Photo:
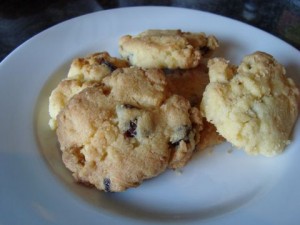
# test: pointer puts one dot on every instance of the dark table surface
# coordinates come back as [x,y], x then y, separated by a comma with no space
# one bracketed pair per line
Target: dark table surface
[22,19]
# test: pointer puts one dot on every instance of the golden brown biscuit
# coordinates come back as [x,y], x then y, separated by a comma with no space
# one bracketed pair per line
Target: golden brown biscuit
[166,48]
[95,67]
[83,72]
[126,130]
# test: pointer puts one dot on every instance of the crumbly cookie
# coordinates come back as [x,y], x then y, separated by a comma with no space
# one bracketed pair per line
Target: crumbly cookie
[191,84]
[95,67]
[253,106]
[83,72]
[128,129]
[166,48]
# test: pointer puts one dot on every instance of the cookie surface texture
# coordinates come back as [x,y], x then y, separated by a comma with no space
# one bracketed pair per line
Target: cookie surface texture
[114,138]
[166,48]
[83,73]
[95,67]
[253,106]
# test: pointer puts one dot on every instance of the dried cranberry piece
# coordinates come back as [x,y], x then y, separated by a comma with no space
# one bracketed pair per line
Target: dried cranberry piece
[128,106]
[111,66]
[106,182]
[204,50]
[174,144]
[131,132]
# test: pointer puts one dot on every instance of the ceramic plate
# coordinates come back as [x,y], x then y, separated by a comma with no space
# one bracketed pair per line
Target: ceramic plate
[221,185]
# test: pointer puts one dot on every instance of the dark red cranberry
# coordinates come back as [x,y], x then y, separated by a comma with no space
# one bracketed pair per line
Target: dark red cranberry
[131,132]
[111,66]
[106,182]
[204,50]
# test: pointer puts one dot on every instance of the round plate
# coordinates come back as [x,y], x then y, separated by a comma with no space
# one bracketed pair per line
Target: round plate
[221,185]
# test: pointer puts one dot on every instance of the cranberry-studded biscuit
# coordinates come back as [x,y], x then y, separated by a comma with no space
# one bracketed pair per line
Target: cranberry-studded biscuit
[253,106]
[166,48]
[84,72]
[128,129]
[95,67]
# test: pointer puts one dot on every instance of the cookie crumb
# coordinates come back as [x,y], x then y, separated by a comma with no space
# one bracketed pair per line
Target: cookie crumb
[178,172]
[254,106]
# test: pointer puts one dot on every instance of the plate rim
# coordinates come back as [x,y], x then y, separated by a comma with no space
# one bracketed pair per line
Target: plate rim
[15,51]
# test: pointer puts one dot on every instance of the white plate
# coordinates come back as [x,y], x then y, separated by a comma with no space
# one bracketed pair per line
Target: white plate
[217,187]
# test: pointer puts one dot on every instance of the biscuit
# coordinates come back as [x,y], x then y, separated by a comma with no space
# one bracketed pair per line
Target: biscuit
[83,72]
[166,48]
[126,130]
[95,67]
[253,106]
[191,84]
